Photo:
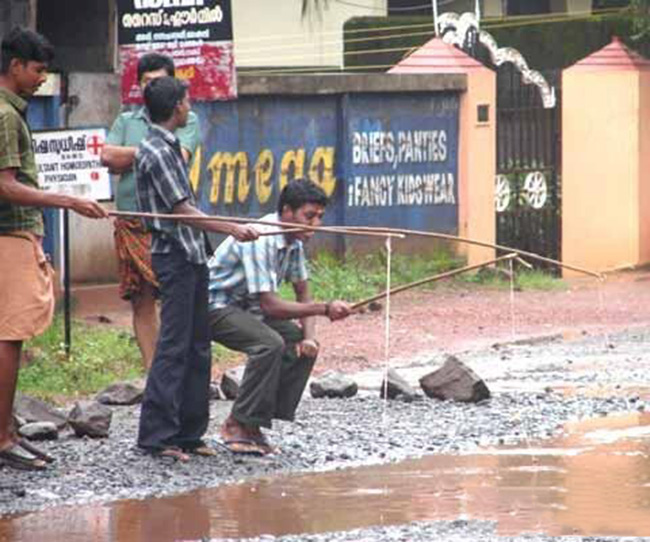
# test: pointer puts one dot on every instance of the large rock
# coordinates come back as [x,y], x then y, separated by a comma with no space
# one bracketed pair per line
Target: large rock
[455,381]
[231,380]
[89,418]
[121,393]
[39,431]
[32,410]
[393,386]
[333,384]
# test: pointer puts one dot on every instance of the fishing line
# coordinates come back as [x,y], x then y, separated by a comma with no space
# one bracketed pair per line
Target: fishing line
[389,258]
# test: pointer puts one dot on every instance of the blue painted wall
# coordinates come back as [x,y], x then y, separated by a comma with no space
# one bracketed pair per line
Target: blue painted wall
[385,159]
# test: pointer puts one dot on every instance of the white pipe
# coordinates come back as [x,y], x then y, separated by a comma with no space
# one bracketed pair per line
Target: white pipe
[434,5]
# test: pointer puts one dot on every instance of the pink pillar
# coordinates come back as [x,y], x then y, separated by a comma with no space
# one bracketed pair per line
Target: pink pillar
[477,140]
[606,159]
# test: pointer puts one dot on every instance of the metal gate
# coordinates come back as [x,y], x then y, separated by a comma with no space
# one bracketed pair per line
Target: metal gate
[528,183]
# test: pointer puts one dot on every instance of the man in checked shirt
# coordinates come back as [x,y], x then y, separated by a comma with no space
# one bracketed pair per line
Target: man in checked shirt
[175,408]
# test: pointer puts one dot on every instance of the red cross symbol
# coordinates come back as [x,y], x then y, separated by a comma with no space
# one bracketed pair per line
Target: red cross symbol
[95,145]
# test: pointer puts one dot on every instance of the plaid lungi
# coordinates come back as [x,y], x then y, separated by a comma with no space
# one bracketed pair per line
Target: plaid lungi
[133,246]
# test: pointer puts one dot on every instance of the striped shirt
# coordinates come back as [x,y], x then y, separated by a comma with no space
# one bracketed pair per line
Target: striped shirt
[16,152]
[162,182]
[240,272]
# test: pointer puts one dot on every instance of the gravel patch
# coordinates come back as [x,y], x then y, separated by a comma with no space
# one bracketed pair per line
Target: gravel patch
[329,434]
[333,434]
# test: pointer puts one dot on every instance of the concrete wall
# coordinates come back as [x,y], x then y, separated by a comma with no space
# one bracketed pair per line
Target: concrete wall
[95,101]
[279,36]
[601,175]
[477,165]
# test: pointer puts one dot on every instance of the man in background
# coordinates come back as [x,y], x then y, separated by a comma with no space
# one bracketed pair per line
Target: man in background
[132,242]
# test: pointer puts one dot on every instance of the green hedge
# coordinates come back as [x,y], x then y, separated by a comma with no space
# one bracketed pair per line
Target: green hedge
[546,46]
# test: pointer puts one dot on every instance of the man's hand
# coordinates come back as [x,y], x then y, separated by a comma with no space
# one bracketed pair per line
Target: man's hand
[245,233]
[337,310]
[308,348]
[88,208]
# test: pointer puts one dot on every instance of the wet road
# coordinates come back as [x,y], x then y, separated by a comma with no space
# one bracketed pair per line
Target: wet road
[595,480]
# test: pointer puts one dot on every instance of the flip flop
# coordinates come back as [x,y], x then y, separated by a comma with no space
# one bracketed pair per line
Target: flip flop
[244,446]
[18,458]
[203,451]
[261,441]
[40,454]
[174,453]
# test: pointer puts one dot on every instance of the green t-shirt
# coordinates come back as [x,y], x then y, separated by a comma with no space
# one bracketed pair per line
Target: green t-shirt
[16,152]
[128,130]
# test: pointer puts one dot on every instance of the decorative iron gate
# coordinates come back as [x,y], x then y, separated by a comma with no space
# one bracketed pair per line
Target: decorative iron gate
[527,191]
[528,139]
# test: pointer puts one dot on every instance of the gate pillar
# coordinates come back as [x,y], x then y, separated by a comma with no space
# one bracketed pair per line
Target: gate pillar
[477,140]
[606,160]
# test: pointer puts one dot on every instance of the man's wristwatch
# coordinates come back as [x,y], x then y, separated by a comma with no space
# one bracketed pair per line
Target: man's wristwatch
[327,309]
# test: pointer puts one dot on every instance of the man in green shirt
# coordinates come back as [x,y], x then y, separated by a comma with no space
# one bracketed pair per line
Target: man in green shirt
[132,242]
[27,298]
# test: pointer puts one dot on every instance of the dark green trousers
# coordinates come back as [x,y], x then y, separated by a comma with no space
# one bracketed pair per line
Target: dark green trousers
[275,377]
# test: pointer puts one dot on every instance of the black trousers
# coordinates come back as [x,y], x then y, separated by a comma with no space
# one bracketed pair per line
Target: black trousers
[175,407]
[275,376]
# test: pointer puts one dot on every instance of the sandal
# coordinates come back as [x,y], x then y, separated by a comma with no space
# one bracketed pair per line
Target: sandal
[40,454]
[18,458]
[203,451]
[174,453]
[245,446]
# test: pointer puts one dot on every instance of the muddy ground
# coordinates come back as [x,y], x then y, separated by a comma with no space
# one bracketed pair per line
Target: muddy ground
[550,358]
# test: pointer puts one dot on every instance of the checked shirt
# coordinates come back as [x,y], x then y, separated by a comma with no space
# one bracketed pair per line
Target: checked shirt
[162,182]
[240,272]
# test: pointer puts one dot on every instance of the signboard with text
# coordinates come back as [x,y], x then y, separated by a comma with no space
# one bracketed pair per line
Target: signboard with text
[196,34]
[68,162]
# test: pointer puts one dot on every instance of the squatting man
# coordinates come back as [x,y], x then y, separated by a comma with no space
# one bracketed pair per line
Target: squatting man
[247,314]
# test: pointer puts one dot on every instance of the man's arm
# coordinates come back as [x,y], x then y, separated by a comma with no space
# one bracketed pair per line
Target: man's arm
[274,306]
[118,159]
[20,194]
[303,295]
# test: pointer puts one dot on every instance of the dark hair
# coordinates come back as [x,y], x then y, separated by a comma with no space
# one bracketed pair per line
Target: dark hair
[25,45]
[152,62]
[300,192]
[162,95]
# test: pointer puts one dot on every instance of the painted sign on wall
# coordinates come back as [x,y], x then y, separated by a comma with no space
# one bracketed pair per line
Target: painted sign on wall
[197,34]
[387,160]
[254,146]
[401,161]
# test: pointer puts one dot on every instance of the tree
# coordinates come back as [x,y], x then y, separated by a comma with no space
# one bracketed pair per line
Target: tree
[640,18]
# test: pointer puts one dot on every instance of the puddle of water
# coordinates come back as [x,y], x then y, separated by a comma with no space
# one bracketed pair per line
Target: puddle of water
[595,481]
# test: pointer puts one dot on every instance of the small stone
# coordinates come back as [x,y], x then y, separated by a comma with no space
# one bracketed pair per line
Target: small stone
[231,380]
[89,418]
[39,431]
[121,393]
[455,381]
[333,384]
[35,410]
[394,386]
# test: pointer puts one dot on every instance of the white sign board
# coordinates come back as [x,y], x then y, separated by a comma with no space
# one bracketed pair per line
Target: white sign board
[68,162]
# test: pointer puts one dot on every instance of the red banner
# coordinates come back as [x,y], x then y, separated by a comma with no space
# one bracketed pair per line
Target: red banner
[198,38]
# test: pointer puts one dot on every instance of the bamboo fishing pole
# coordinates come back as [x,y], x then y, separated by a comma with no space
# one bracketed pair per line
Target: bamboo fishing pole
[239,220]
[468,241]
[433,278]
